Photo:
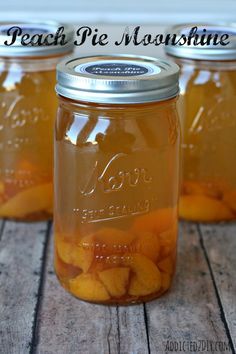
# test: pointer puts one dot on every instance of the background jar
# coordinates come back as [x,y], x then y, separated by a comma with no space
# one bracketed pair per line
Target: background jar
[27,113]
[116,177]
[207,108]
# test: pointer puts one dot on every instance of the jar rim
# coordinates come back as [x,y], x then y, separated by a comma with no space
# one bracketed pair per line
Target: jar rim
[41,28]
[211,51]
[117,79]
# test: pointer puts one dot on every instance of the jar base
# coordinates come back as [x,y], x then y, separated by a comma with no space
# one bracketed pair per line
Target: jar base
[132,300]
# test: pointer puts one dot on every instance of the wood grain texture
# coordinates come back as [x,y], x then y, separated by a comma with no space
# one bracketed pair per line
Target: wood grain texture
[190,311]
[67,325]
[219,242]
[132,330]
[21,250]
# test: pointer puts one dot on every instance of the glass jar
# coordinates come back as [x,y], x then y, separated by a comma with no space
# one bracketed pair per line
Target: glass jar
[207,107]
[27,112]
[116,178]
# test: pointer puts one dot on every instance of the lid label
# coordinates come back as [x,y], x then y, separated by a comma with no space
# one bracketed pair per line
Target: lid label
[117,68]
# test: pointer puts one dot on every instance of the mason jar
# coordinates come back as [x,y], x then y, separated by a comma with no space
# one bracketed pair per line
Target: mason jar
[116,177]
[207,107]
[27,114]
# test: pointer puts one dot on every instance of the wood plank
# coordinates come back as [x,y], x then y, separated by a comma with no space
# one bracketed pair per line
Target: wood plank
[21,250]
[132,330]
[67,325]
[190,311]
[219,242]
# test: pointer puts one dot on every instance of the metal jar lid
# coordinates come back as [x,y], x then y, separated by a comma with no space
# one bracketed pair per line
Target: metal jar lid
[206,52]
[117,79]
[34,28]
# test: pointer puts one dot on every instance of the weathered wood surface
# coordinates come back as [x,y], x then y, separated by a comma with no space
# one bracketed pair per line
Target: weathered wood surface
[219,245]
[21,251]
[38,316]
[190,312]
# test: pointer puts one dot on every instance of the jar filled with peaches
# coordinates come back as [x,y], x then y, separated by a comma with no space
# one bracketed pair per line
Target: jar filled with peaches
[207,108]
[28,106]
[116,177]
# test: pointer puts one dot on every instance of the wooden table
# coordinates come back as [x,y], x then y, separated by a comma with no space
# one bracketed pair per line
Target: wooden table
[38,316]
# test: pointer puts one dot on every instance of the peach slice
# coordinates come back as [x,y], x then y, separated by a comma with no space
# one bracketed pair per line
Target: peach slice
[27,165]
[88,287]
[65,270]
[166,265]
[27,169]
[148,244]
[192,187]
[230,199]
[168,240]
[212,189]
[156,221]
[103,262]
[146,278]
[79,255]
[64,249]
[28,201]
[2,187]
[115,280]
[202,208]
[165,281]
[112,240]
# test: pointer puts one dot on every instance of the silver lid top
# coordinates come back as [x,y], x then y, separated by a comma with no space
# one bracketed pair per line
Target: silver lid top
[203,52]
[117,79]
[33,28]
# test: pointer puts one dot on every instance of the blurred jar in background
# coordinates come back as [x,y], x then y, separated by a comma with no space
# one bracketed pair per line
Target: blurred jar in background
[207,107]
[116,177]
[27,113]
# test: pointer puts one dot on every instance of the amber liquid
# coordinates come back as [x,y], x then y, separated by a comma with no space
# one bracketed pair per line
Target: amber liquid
[116,191]
[27,112]
[208,116]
